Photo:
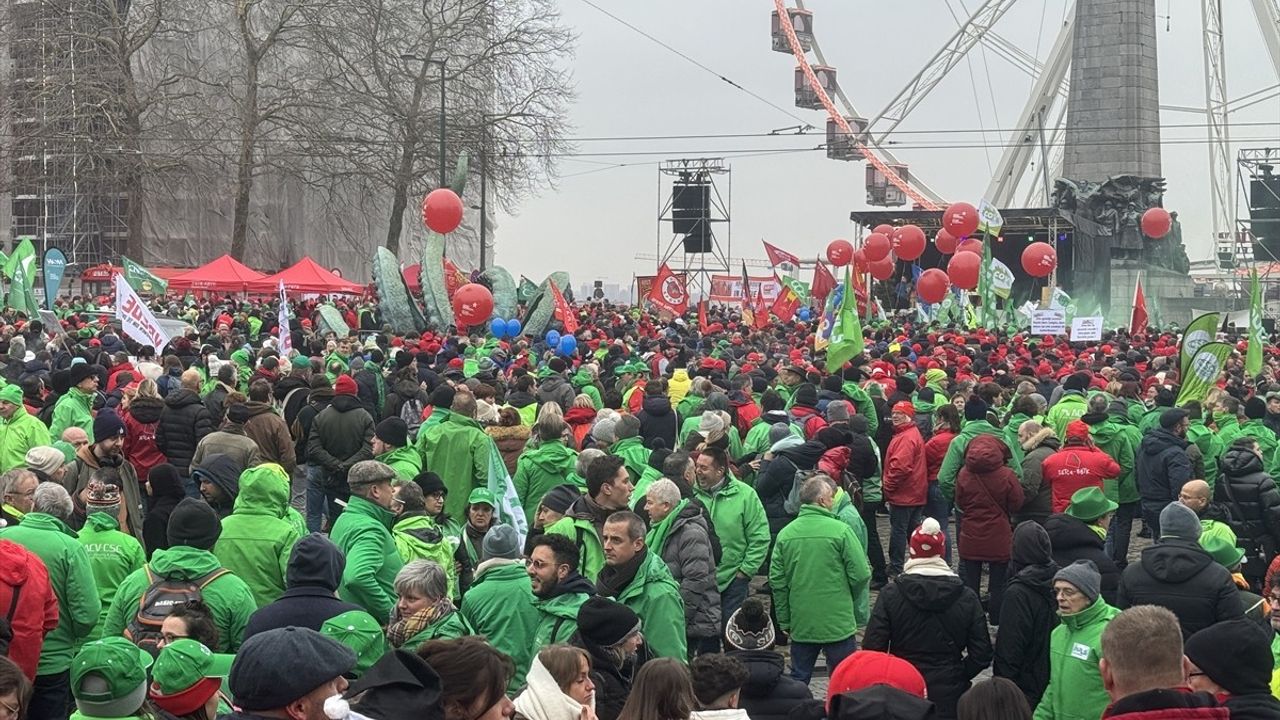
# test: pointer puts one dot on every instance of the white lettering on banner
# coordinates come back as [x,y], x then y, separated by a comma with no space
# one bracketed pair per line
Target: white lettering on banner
[1048,322]
[136,319]
[1086,329]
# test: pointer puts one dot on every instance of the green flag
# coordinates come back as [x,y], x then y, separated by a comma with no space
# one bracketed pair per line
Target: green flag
[846,332]
[1257,336]
[1202,330]
[141,279]
[24,257]
[21,298]
[987,288]
[1204,370]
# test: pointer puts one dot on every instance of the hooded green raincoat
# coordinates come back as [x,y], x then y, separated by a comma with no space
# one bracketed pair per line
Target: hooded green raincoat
[539,469]
[257,537]
[363,533]
[113,555]
[1075,689]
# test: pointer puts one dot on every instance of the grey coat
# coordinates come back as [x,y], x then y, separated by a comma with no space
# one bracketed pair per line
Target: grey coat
[1037,497]
[687,553]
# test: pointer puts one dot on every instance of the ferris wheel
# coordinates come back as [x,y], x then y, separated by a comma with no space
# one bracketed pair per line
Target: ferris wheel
[1036,136]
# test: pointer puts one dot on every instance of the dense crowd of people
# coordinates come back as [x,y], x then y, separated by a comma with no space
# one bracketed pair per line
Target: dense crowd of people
[676,520]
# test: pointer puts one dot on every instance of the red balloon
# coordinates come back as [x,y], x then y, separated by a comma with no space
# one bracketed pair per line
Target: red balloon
[472,304]
[442,211]
[882,269]
[945,242]
[877,247]
[1039,259]
[908,243]
[933,285]
[970,245]
[860,262]
[960,219]
[884,229]
[963,270]
[840,252]
[1156,222]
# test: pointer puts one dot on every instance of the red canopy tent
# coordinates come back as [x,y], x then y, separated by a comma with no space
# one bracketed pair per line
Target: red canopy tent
[306,276]
[226,274]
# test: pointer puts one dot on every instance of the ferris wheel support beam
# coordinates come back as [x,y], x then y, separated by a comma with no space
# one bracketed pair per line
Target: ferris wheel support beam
[1268,12]
[1221,180]
[1028,138]
[937,67]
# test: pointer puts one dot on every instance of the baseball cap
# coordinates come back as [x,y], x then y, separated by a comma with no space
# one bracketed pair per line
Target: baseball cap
[109,677]
[482,495]
[186,674]
[359,631]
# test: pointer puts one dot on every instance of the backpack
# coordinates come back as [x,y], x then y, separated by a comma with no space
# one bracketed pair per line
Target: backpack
[161,597]
[411,413]
[6,622]
[791,505]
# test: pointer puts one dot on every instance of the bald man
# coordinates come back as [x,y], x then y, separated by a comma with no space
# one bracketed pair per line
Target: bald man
[1214,517]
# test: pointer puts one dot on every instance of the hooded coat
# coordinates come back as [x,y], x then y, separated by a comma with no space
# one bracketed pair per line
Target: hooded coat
[399,686]
[19,434]
[230,441]
[113,555]
[954,459]
[769,693]
[654,596]
[363,533]
[1028,615]
[1074,467]
[555,388]
[1073,539]
[1075,690]
[227,596]
[499,606]
[458,451]
[1253,499]
[311,579]
[1181,576]
[657,421]
[558,614]
[687,551]
[166,493]
[418,537]
[988,494]
[905,481]
[1036,494]
[1161,467]
[1119,439]
[223,471]
[937,624]
[36,613]
[140,423]
[539,469]
[339,438]
[184,422]
[79,472]
[777,475]
[257,538]
[580,524]
[74,409]
[741,526]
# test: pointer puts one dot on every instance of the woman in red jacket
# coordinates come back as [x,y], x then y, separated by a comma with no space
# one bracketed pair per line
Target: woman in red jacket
[27,598]
[141,415]
[987,493]
[946,425]
[1078,465]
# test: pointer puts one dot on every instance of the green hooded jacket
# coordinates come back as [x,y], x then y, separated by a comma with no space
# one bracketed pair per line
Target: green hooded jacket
[257,537]
[75,409]
[558,616]
[405,461]
[1211,448]
[1266,438]
[689,407]
[954,459]
[584,383]
[458,451]
[1228,428]
[22,432]
[418,537]
[71,575]
[228,596]
[363,533]
[113,556]
[654,595]
[449,627]
[1069,407]
[1011,425]
[539,469]
[1119,439]
[499,606]
[1151,419]
[583,534]
[741,525]
[634,455]
[863,403]
[819,574]
[1075,689]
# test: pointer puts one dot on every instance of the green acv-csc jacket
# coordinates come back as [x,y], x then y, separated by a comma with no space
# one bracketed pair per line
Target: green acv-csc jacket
[539,469]
[741,526]
[75,409]
[227,596]
[819,574]
[583,534]
[363,533]
[113,555]
[257,537]
[954,459]
[71,576]
[1075,689]
[654,595]
[1071,406]
[1116,437]
[405,461]
[499,606]
[558,617]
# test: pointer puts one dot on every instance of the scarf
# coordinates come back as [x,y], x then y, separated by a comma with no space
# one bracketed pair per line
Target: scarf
[932,566]
[613,579]
[657,537]
[475,541]
[543,699]
[402,630]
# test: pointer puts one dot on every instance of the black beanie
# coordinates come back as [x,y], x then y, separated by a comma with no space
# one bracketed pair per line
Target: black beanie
[605,622]
[1077,381]
[442,397]
[905,385]
[392,431]
[1255,408]
[806,395]
[430,483]
[195,524]
[975,409]
[403,359]
[1235,654]
[559,498]
[832,383]
[1165,397]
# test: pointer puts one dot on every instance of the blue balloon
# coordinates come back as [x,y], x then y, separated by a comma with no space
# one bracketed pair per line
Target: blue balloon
[498,327]
[553,338]
[804,314]
[513,328]
[568,344]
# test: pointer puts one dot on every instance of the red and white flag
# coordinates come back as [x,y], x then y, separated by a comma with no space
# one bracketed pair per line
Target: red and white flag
[563,312]
[778,256]
[1138,321]
[669,292]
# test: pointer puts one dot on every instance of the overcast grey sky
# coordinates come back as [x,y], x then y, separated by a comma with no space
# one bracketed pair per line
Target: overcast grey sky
[604,207]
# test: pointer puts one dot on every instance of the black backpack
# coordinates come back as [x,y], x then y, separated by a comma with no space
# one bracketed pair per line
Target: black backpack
[161,597]
[6,622]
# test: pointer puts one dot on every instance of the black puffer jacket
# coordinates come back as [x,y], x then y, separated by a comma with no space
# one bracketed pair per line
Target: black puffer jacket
[1254,499]
[769,693]
[937,624]
[311,584]
[183,424]
[1161,467]
[1073,540]
[613,684]
[657,421]
[776,476]
[1028,615]
[340,437]
[1181,576]
[401,390]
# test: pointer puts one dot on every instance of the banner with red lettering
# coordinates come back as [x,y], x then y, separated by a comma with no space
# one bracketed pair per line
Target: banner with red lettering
[136,319]
[728,288]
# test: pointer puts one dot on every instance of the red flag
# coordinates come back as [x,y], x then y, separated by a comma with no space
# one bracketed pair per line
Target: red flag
[702,316]
[454,278]
[786,304]
[563,312]
[823,282]
[669,292]
[778,256]
[748,314]
[762,311]
[1138,322]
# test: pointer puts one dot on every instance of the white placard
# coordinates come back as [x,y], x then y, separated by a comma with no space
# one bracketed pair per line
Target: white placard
[1048,322]
[1086,329]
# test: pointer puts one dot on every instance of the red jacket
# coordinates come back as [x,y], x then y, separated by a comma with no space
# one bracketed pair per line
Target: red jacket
[140,447]
[37,611]
[987,492]
[809,420]
[935,450]
[579,420]
[906,475]
[1179,703]
[745,414]
[1075,467]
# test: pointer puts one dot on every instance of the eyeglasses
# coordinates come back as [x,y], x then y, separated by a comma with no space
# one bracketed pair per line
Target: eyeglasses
[1196,674]
[10,710]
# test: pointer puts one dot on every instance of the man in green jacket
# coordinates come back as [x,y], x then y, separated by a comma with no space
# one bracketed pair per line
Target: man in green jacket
[740,524]
[1226,416]
[75,408]
[608,489]
[458,451]
[542,467]
[21,430]
[1204,438]
[1075,689]
[114,555]
[499,603]
[363,534]
[640,580]
[1071,405]
[192,531]
[257,538]
[390,445]
[558,589]
[630,447]
[975,416]
[416,533]
[44,532]
[1255,410]
[820,579]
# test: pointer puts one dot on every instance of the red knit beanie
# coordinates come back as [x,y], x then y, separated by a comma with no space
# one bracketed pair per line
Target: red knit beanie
[927,541]
[344,386]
